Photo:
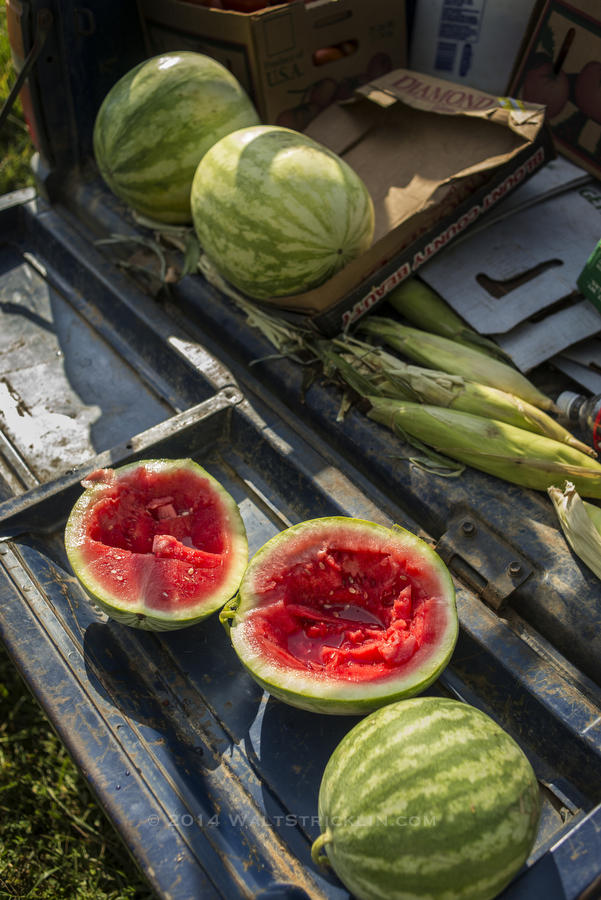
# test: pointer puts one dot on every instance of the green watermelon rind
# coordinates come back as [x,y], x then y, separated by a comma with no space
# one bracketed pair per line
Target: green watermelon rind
[330,696]
[157,122]
[278,213]
[458,789]
[138,615]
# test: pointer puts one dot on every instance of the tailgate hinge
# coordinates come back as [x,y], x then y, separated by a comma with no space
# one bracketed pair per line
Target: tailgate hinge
[477,555]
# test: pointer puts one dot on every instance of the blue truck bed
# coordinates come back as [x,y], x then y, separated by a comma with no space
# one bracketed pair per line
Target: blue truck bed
[212,784]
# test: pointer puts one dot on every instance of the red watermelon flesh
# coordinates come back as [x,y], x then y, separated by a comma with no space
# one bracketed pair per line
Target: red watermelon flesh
[161,537]
[358,614]
[341,615]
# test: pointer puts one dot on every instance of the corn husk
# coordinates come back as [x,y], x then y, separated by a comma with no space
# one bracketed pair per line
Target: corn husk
[594,514]
[513,454]
[420,305]
[577,520]
[391,377]
[482,400]
[288,340]
[364,374]
[441,353]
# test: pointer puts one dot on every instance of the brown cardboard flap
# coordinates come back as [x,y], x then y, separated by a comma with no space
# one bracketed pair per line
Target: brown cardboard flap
[416,153]
[422,146]
[449,99]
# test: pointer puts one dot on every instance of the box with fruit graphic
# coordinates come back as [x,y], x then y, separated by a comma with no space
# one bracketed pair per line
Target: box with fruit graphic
[295,58]
[561,68]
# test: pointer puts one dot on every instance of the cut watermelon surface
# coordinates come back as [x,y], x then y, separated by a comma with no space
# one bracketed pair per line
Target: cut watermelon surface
[157,544]
[343,615]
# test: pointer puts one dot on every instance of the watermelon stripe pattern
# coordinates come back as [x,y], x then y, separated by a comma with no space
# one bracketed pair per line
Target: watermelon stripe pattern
[277,213]
[428,798]
[156,124]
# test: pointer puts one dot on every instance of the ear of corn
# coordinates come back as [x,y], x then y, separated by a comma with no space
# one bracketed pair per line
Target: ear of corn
[420,305]
[370,370]
[511,453]
[395,379]
[577,524]
[441,353]
[482,400]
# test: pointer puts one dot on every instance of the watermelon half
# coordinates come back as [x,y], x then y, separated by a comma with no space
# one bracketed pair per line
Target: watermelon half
[341,615]
[157,544]
[427,799]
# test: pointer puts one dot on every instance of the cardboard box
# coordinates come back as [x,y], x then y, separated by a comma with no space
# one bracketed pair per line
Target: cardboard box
[435,156]
[472,42]
[561,68]
[274,52]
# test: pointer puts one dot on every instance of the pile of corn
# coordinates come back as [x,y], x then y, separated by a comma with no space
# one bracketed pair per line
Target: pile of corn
[465,401]
[461,397]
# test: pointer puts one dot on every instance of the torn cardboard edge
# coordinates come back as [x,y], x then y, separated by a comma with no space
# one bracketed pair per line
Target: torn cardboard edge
[373,290]
[469,150]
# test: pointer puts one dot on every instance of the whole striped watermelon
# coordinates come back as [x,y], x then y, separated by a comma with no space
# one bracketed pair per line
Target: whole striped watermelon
[158,121]
[157,544]
[341,615]
[427,799]
[277,213]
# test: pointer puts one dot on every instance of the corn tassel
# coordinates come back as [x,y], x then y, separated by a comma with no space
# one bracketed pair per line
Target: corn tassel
[441,353]
[354,372]
[577,520]
[420,305]
[513,454]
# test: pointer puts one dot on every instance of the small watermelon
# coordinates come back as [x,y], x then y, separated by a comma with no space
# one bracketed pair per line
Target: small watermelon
[157,122]
[157,544]
[340,615]
[277,213]
[427,799]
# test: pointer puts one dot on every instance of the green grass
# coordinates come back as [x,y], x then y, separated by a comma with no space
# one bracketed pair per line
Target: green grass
[55,842]
[16,148]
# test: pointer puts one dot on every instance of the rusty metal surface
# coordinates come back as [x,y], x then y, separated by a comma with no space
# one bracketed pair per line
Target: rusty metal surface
[196,766]
[481,558]
[64,394]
